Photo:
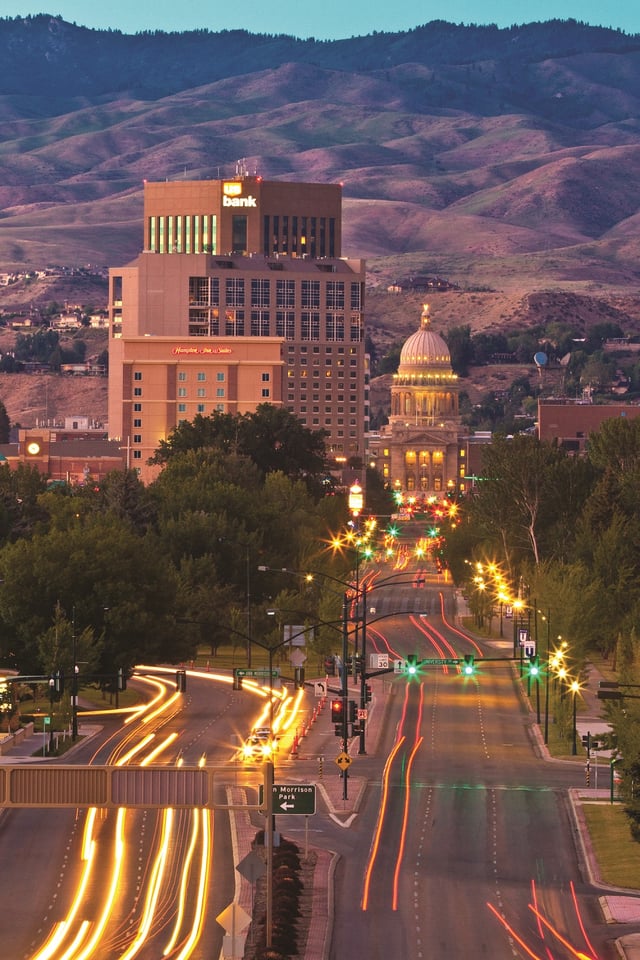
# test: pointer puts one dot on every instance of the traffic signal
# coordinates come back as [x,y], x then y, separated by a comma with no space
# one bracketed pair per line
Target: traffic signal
[412,664]
[237,682]
[534,666]
[367,693]
[337,715]
[181,681]
[469,665]
[353,707]
[298,677]
[58,683]
[122,679]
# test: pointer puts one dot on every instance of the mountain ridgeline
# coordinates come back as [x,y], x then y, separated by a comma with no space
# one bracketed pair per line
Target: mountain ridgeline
[470,151]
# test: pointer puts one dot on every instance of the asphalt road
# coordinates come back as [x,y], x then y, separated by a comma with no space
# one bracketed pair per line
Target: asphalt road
[466,829]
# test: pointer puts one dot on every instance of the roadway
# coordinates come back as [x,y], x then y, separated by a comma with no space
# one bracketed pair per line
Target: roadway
[462,847]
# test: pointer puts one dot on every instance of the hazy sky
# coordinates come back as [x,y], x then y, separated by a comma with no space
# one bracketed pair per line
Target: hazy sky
[325,20]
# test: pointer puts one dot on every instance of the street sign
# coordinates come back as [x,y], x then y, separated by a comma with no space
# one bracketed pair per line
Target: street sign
[343,760]
[523,636]
[382,661]
[530,648]
[320,688]
[399,666]
[262,672]
[295,798]
[362,713]
[446,662]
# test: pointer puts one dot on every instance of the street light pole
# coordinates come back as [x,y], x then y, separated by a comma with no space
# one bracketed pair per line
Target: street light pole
[74,681]
[345,738]
[363,673]
[547,679]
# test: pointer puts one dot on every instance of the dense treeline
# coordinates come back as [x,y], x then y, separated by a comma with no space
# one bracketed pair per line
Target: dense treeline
[148,574]
[565,533]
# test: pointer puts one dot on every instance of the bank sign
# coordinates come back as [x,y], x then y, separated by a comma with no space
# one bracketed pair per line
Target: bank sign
[232,196]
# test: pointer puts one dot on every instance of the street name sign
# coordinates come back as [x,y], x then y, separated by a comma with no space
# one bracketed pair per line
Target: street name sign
[293,798]
[262,672]
[435,662]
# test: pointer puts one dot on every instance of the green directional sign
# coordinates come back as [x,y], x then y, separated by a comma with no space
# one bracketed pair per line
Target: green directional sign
[295,798]
[263,672]
[447,662]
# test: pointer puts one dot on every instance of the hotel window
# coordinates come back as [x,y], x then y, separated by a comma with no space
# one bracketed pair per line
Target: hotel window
[182,408]
[201,376]
[285,293]
[202,392]
[220,392]
[137,391]
[182,376]
[137,454]
[335,327]
[219,407]
[137,375]
[335,295]
[259,323]
[182,391]
[356,328]
[200,408]
[266,392]
[310,294]
[234,323]
[137,407]
[234,291]
[285,234]
[310,325]
[285,324]
[137,438]
[220,376]
[356,296]
[260,293]
[266,377]
[137,422]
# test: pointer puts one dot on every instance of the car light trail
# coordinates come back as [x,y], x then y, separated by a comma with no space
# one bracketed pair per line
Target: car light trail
[405,821]
[378,831]
[580,921]
[431,633]
[195,824]
[151,899]
[455,629]
[205,870]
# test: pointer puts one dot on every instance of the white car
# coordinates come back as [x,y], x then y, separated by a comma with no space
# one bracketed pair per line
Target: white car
[256,748]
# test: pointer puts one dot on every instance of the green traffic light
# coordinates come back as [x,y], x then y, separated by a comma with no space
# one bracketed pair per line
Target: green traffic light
[469,666]
[412,664]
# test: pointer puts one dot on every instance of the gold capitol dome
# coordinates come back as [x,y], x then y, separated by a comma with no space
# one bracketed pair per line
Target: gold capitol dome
[425,355]
[419,449]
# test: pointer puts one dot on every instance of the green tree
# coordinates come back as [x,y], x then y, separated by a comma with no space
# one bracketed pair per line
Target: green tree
[97,565]
[5,424]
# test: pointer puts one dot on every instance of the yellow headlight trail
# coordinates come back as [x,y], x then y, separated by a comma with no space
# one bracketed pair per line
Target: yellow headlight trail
[203,886]
[155,886]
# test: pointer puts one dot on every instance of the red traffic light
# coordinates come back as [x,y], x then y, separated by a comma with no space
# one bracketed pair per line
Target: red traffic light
[337,710]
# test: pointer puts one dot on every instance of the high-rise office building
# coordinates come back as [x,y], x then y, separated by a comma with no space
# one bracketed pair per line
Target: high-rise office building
[240,297]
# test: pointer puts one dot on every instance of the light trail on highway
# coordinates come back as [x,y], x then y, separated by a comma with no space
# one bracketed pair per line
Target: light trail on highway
[136,888]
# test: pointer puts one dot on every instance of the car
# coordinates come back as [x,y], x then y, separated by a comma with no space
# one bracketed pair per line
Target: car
[256,748]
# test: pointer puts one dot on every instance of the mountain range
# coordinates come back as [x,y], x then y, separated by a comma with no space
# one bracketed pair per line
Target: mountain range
[499,158]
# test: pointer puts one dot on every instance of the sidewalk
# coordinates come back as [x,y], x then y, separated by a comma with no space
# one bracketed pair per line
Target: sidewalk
[618,905]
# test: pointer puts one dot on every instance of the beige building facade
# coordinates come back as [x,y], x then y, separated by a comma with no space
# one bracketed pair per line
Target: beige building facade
[240,297]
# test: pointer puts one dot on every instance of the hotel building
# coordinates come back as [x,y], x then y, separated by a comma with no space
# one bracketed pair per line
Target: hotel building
[240,297]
